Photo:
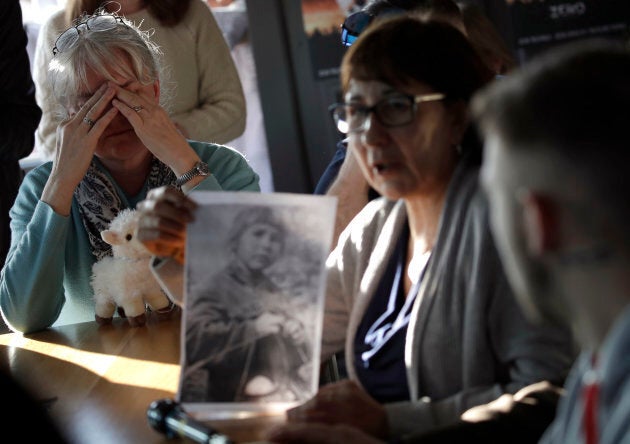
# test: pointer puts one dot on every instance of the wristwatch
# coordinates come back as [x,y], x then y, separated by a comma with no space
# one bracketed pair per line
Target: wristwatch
[200,169]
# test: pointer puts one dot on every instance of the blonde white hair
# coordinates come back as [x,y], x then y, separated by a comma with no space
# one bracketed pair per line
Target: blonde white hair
[108,47]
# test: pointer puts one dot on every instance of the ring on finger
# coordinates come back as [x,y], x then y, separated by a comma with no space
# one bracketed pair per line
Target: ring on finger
[89,121]
[137,108]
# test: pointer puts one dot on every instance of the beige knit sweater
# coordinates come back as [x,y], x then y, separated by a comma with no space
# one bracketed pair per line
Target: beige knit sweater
[202,87]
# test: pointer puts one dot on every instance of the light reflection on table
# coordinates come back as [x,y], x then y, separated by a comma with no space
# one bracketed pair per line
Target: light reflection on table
[105,377]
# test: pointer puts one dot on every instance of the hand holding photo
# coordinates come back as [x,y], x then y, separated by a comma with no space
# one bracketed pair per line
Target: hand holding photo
[253,307]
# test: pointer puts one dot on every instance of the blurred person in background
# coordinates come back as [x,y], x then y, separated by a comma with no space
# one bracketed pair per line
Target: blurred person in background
[556,175]
[20,118]
[231,15]
[206,103]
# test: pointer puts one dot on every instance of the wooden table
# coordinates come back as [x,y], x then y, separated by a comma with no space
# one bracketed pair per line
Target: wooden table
[104,377]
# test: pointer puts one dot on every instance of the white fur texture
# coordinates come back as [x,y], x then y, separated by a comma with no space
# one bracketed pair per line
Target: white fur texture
[125,279]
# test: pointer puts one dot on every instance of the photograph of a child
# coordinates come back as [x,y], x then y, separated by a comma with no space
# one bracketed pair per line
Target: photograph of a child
[254,301]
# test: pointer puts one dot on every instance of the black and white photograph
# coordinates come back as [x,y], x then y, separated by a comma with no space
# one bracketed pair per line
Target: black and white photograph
[254,288]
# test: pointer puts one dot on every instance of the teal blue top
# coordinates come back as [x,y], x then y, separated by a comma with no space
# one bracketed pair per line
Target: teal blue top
[46,277]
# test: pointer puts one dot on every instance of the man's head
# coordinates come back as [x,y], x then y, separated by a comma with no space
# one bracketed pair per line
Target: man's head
[556,171]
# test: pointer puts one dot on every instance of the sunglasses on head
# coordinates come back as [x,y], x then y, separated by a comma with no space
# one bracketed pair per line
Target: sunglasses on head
[356,23]
[97,22]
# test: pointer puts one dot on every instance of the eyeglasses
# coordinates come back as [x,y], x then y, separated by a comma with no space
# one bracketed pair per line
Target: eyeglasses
[69,37]
[356,23]
[390,112]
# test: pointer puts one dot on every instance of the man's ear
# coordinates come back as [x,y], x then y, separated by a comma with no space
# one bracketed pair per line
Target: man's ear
[156,90]
[540,221]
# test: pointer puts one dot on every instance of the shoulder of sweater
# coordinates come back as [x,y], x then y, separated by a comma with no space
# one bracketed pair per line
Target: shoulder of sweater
[197,14]
[197,6]
[376,211]
[381,207]
[207,149]
[50,30]
[370,221]
[463,194]
[465,176]
[200,146]
[33,185]
[57,17]
[38,176]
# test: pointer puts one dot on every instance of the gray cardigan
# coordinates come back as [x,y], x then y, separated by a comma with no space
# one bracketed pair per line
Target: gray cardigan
[467,341]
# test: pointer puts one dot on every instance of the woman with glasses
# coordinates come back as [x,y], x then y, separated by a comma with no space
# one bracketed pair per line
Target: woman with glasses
[115,143]
[342,177]
[416,294]
[207,101]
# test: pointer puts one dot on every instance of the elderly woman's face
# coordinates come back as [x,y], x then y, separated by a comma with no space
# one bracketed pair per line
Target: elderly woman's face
[119,141]
[410,160]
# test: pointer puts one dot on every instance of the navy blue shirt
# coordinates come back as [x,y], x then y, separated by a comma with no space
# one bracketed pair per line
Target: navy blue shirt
[379,345]
[332,171]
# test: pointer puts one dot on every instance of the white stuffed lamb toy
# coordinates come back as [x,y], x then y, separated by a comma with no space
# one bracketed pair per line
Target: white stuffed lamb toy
[125,280]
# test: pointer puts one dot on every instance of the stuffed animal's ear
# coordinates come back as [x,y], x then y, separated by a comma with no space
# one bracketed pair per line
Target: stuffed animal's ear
[111,237]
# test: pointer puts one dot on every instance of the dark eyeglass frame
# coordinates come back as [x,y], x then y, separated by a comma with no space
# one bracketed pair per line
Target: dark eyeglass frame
[343,125]
[75,30]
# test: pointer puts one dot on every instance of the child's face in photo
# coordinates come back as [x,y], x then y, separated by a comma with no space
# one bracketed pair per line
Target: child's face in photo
[259,246]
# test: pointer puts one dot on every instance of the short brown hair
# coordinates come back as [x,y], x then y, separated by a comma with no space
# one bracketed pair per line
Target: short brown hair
[571,103]
[405,49]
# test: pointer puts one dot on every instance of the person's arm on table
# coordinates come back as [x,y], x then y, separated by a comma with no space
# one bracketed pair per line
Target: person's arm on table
[31,286]
[31,289]
[520,418]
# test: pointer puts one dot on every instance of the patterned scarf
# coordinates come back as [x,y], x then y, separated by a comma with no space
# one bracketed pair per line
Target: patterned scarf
[99,202]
